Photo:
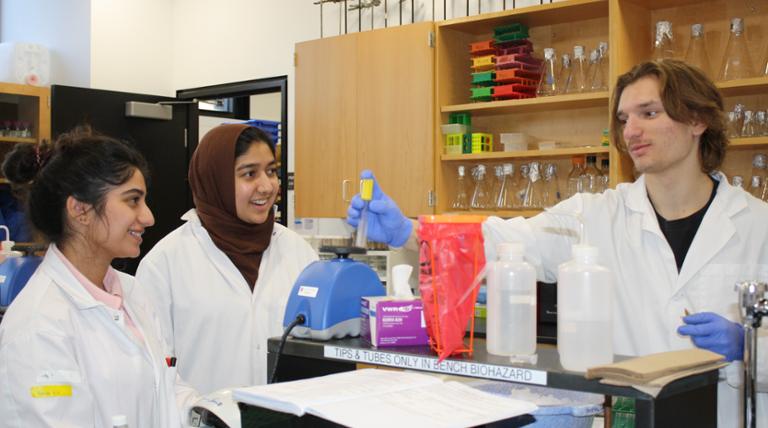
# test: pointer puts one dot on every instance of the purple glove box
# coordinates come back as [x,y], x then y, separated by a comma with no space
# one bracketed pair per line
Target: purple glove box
[387,321]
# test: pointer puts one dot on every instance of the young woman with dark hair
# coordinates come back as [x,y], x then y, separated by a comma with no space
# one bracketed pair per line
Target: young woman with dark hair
[81,344]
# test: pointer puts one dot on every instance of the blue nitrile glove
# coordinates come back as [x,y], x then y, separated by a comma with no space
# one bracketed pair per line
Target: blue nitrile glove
[710,331]
[386,223]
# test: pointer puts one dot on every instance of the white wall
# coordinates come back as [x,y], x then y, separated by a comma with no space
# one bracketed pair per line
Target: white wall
[131,46]
[44,22]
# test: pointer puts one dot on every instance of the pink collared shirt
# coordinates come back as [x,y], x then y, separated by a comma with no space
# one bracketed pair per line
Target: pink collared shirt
[112,297]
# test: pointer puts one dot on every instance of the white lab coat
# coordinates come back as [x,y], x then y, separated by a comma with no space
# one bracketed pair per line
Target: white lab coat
[650,296]
[56,333]
[217,326]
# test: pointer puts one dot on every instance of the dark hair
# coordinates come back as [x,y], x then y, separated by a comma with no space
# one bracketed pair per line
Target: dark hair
[81,163]
[252,135]
[688,96]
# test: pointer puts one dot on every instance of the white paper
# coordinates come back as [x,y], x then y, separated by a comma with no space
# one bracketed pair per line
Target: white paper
[385,398]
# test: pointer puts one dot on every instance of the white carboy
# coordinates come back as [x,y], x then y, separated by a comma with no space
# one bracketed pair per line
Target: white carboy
[584,311]
[511,305]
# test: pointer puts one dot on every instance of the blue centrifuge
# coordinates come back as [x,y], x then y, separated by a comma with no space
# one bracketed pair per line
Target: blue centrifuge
[328,294]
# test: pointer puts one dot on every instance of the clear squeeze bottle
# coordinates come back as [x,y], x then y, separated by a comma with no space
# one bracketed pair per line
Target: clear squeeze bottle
[511,322]
[584,311]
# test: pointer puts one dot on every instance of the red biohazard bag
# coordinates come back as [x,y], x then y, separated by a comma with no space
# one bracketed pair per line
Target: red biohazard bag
[451,255]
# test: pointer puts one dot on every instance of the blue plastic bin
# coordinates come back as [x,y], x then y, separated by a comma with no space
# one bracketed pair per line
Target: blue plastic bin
[557,407]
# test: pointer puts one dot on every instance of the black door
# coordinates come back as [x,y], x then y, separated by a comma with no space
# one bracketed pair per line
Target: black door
[163,143]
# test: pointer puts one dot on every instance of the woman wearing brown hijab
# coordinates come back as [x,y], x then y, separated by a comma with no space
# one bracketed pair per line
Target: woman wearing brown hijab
[222,279]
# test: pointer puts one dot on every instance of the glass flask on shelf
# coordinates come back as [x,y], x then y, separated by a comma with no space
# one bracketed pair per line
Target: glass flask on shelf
[499,192]
[523,187]
[534,187]
[737,181]
[696,54]
[663,44]
[749,128]
[577,80]
[590,177]
[551,187]
[737,63]
[756,183]
[604,175]
[548,82]
[574,185]
[461,197]
[599,76]
[481,194]
[594,56]
[761,122]
[564,73]
[513,187]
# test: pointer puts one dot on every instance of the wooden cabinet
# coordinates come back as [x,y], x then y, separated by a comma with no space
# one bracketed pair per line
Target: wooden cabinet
[25,104]
[365,101]
[577,120]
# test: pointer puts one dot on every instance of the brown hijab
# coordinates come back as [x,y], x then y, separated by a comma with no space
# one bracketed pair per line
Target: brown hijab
[212,179]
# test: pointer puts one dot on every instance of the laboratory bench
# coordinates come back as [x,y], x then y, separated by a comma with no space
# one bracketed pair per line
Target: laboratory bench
[691,401]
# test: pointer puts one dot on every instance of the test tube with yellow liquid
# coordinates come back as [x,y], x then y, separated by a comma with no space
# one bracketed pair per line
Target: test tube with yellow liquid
[366,194]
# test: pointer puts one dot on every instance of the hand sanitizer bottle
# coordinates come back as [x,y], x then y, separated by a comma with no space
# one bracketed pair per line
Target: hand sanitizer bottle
[584,311]
[511,307]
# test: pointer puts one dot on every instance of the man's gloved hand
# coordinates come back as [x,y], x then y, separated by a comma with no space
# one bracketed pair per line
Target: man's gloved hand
[385,221]
[711,331]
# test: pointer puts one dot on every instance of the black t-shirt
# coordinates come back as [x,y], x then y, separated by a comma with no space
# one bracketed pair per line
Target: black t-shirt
[680,233]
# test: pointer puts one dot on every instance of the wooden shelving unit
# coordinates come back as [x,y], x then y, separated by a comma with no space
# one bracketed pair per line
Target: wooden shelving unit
[577,120]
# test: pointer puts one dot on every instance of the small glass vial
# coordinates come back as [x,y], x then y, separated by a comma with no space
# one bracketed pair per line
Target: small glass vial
[461,198]
[737,63]
[548,82]
[663,44]
[577,82]
[696,54]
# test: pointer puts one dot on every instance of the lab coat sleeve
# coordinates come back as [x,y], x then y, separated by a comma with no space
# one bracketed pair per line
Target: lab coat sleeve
[155,284]
[46,362]
[547,237]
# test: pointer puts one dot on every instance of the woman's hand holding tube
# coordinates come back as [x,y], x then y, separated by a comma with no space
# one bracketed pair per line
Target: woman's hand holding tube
[386,223]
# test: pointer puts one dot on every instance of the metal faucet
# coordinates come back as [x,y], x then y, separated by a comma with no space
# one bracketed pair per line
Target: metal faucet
[753,302]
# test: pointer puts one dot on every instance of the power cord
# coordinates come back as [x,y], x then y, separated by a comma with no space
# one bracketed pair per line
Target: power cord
[300,319]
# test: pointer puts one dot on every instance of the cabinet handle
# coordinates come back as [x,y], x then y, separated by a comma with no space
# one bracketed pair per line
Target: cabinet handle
[344,185]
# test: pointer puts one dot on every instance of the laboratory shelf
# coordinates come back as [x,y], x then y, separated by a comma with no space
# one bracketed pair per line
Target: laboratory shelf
[749,143]
[14,140]
[531,105]
[549,154]
[534,16]
[749,86]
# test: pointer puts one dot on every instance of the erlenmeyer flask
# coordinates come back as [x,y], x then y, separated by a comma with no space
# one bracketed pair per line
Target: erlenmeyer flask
[599,77]
[513,186]
[551,186]
[480,196]
[758,175]
[696,54]
[577,82]
[737,63]
[749,128]
[663,43]
[737,181]
[564,73]
[548,82]
[524,168]
[534,189]
[594,57]
[461,198]
[499,192]
[574,184]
